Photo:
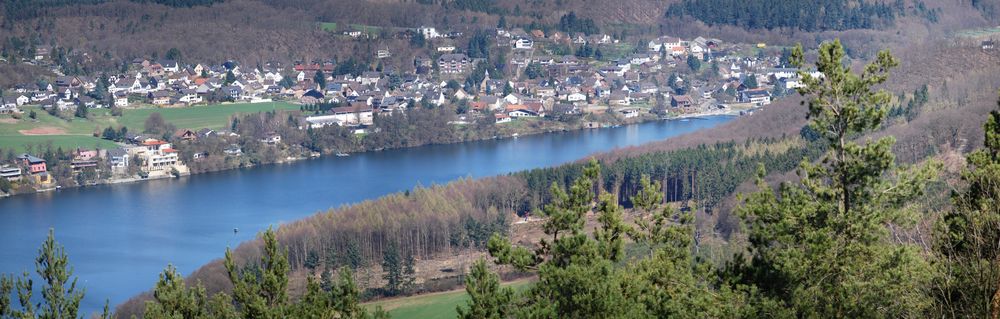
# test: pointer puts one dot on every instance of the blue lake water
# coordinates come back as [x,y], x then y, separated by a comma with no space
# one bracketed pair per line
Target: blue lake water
[119,237]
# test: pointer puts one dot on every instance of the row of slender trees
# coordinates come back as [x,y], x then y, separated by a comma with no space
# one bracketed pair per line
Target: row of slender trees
[823,245]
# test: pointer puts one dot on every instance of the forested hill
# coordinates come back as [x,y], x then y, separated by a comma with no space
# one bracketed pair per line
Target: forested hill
[807,15]
[252,31]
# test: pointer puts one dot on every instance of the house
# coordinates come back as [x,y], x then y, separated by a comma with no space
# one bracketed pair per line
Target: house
[35,165]
[357,113]
[429,32]
[323,120]
[681,101]
[188,96]
[501,118]
[524,43]
[78,165]
[576,97]
[759,97]
[663,43]
[312,97]
[157,155]
[121,99]
[22,100]
[629,112]
[10,173]
[185,135]
[42,52]
[271,138]
[531,109]
[446,48]
[369,78]
[232,91]
[383,53]
[159,97]
[233,150]
[620,99]
[118,158]
[453,63]
[988,45]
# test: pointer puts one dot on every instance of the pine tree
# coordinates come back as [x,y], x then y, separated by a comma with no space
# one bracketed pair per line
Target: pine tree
[320,79]
[486,298]
[261,293]
[230,77]
[173,299]
[693,63]
[968,239]
[392,268]
[62,299]
[819,247]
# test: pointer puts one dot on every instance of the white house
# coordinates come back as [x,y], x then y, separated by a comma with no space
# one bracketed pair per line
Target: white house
[524,43]
[501,118]
[429,32]
[576,97]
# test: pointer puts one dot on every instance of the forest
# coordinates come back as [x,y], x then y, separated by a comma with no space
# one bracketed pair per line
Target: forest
[810,15]
[841,239]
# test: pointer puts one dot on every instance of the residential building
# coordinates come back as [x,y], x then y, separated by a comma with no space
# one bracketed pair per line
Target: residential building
[759,97]
[11,173]
[453,63]
[156,155]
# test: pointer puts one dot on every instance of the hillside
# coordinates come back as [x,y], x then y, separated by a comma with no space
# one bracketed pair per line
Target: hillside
[944,125]
[258,31]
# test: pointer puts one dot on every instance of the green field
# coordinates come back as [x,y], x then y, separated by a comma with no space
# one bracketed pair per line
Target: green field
[328,26]
[435,305]
[79,132]
[979,33]
[332,27]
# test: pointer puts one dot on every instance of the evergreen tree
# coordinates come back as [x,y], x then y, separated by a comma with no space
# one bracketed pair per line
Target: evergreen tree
[230,77]
[261,292]
[751,81]
[173,299]
[60,296]
[968,239]
[820,247]
[81,112]
[693,63]
[486,298]
[320,79]
[392,267]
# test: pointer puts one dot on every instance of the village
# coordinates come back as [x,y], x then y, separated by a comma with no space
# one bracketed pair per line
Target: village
[665,77]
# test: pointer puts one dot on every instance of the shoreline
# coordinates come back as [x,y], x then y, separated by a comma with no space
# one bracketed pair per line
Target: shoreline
[294,159]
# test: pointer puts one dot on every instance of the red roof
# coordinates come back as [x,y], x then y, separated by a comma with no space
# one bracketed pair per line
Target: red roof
[169,150]
[153,142]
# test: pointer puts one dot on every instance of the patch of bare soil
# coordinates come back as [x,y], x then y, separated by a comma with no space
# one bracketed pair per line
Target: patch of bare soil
[44,130]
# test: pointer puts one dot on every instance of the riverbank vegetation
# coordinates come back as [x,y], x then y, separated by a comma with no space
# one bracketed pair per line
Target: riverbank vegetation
[626,232]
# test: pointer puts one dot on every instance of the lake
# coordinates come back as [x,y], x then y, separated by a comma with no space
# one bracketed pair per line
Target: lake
[120,237]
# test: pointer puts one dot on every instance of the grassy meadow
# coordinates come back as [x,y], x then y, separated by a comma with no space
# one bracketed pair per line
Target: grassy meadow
[434,305]
[17,133]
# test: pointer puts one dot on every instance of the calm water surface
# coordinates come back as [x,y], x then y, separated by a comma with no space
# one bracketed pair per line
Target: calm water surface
[120,237]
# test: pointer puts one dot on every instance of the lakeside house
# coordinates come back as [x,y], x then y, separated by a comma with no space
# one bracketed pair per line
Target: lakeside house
[37,168]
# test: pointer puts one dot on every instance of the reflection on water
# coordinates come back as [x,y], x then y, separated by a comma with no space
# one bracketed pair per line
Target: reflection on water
[119,237]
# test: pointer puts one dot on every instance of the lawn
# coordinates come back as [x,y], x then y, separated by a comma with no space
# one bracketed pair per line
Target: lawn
[197,117]
[367,29]
[78,132]
[328,26]
[67,142]
[978,33]
[435,305]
